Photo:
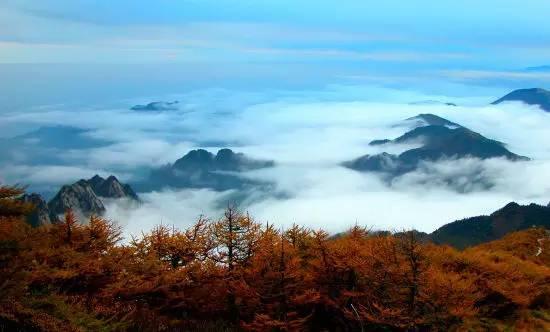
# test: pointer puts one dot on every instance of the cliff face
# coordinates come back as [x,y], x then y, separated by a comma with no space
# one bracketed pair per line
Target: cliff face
[85,196]
[111,188]
[80,197]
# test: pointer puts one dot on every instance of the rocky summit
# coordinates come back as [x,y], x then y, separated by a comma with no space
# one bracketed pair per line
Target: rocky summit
[86,196]
[203,169]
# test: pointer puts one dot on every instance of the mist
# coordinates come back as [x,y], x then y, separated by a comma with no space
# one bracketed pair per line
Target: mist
[308,134]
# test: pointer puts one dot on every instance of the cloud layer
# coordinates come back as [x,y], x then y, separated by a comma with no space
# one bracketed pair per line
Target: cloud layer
[308,134]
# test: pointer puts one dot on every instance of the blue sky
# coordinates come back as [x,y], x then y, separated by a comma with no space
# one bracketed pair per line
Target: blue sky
[473,42]
[473,34]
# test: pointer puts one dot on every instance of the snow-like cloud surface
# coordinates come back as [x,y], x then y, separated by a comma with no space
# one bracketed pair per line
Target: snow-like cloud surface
[309,134]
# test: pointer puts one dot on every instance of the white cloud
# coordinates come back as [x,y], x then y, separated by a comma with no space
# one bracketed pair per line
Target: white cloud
[309,134]
[46,175]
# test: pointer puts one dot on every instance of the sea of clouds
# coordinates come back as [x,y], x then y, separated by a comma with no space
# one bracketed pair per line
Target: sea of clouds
[308,134]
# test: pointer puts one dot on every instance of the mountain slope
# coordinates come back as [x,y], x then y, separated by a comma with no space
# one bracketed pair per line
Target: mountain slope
[476,230]
[535,96]
[427,119]
[440,139]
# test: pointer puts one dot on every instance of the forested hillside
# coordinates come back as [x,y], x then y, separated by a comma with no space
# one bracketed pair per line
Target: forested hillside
[236,273]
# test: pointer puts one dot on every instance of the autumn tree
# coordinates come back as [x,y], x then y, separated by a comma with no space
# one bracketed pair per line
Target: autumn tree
[413,269]
[235,273]
[235,237]
[276,274]
[13,228]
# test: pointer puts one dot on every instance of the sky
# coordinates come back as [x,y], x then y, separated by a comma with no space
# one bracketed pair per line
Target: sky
[305,83]
[191,43]
[422,34]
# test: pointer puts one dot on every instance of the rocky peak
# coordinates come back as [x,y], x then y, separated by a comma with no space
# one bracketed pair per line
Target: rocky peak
[202,169]
[96,181]
[111,188]
[80,197]
[84,196]
[195,159]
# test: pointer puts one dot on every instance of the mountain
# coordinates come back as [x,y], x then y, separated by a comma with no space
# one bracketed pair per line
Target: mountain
[440,139]
[78,196]
[382,162]
[111,188]
[535,96]
[432,103]
[422,120]
[224,160]
[85,196]
[41,214]
[202,169]
[157,106]
[476,230]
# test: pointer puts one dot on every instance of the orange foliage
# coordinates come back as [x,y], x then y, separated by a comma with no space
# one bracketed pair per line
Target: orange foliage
[235,273]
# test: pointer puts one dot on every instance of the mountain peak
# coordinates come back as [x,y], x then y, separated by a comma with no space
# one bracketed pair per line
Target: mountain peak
[78,196]
[112,178]
[225,153]
[85,196]
[440,138]
[198,158]
[530,96]
[157,106]
[202,169]
[111,188]
[428,119]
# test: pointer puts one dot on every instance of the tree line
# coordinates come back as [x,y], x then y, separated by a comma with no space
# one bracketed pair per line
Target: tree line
[235,273]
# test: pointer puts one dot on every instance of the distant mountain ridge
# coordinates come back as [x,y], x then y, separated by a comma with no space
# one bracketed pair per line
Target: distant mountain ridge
[202,169]
[440,139]
[44,144]
[432,103]
[534,96]
[157,106]
[476,230]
